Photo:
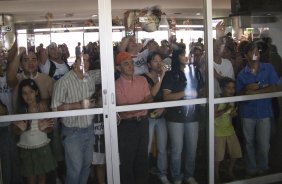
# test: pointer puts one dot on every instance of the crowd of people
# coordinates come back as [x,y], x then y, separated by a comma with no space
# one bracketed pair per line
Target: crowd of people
[63,149]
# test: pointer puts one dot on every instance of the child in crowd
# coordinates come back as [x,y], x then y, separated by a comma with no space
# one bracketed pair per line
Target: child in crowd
[35,153]
[225,136]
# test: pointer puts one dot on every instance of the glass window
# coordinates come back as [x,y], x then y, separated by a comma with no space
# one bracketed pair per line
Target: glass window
[247,50]
[161,58]
[131,85]
[51,79]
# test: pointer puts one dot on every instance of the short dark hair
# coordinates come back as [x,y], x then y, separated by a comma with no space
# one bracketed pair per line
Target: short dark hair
[152,55]
[224,81]
[248,47]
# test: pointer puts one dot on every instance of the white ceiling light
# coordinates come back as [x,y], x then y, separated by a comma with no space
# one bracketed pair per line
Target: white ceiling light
[68,14]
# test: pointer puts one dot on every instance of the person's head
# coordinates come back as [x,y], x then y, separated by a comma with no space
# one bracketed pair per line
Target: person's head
[28,62]
[151,45]
[64,50]
[164,49]
[241,48]
[251,52]
[28,93]
[256,33]
[227,86]
[78,43]
[227,52]
[155,62]
[124,63]
[200,40]
[54,52]
[164,43]
[197,52]
[178,59]
[132,44]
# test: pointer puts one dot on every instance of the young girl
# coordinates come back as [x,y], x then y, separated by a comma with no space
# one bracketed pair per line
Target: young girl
[225,136]
[35,153]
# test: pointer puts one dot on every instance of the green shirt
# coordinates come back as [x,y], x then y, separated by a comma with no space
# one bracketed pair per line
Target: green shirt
[223,124]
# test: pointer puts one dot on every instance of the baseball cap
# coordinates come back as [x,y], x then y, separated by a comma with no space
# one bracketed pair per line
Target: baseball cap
[122,56]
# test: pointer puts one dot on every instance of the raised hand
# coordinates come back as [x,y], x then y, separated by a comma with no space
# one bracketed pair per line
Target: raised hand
[43,55]
[21,125]
[43,124]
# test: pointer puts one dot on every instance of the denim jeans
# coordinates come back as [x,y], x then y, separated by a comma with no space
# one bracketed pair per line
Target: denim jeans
[159,127]
[183,135]
[133,150]
[257,137]
[78,145]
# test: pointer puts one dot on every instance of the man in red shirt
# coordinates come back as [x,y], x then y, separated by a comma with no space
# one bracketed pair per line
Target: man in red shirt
[133,130]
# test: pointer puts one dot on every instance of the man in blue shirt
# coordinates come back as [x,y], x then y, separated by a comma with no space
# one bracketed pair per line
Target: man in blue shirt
[256,78]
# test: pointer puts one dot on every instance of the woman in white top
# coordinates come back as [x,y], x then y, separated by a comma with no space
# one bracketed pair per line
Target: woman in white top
[35,153]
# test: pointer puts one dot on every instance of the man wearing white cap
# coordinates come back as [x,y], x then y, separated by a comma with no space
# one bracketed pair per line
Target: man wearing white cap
[139,58]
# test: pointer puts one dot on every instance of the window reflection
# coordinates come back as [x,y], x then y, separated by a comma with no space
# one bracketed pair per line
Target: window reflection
[232,39]
[250,47]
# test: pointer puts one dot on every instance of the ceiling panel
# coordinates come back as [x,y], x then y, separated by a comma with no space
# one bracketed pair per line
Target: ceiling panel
[35,10]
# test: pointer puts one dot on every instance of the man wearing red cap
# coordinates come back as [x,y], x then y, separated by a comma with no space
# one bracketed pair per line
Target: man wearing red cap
[133,128]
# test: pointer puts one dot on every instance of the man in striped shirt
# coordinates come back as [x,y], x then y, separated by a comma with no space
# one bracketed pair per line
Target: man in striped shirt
[75,91]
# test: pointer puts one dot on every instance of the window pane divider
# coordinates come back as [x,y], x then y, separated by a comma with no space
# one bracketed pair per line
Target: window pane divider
[56,114]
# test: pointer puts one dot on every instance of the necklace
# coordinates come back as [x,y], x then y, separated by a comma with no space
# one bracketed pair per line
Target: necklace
[31,76]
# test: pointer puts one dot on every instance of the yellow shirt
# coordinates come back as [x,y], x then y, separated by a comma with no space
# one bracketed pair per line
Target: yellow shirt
[223,124]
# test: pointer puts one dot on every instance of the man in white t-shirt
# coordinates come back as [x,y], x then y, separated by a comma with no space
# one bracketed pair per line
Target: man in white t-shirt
[51,61]
[222,67]
[128,44]
[140,61]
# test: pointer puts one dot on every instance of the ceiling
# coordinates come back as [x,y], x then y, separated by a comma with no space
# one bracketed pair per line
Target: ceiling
[34,11]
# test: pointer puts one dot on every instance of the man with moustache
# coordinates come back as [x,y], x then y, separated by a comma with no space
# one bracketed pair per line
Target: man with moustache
[28,62]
